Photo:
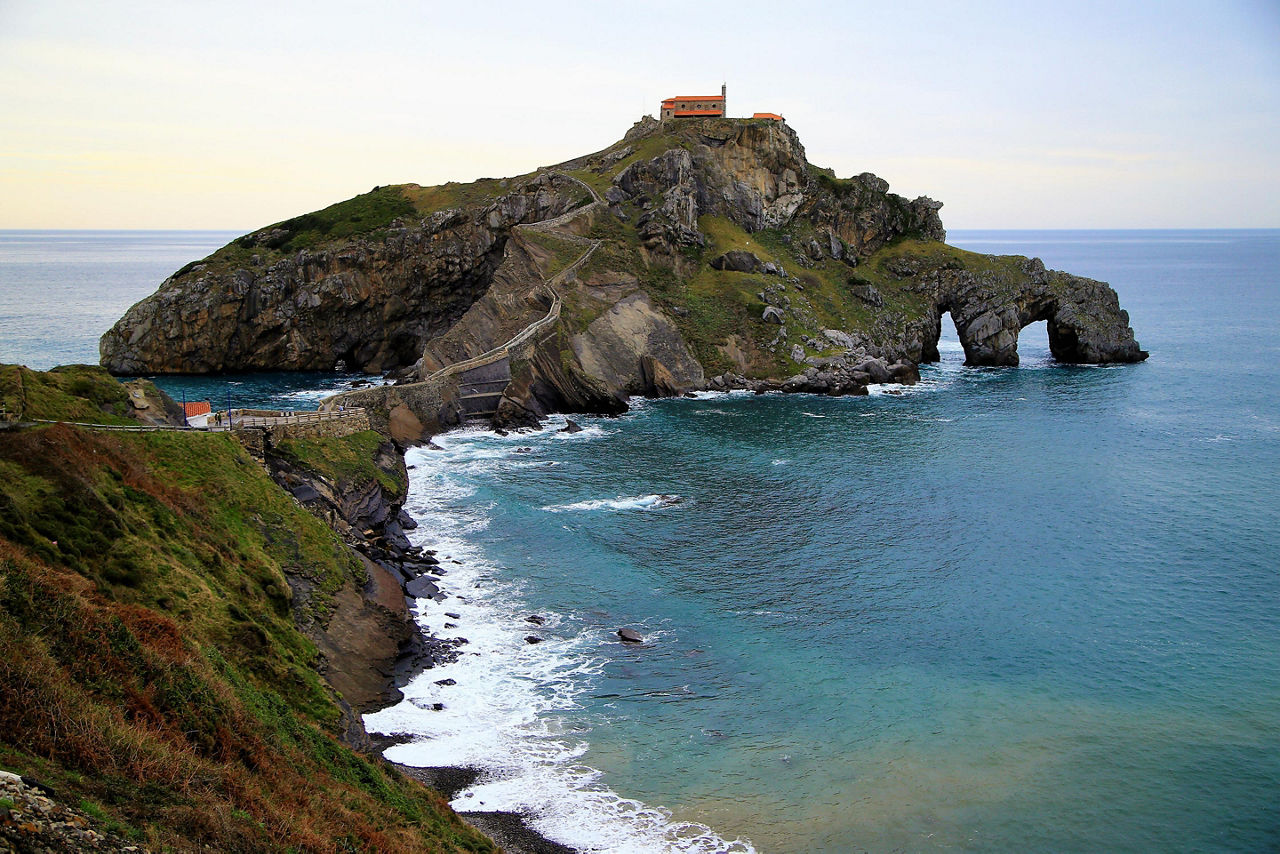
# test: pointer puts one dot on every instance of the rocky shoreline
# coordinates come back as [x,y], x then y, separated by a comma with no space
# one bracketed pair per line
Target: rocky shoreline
[850,374]
[374,524]
[510,830]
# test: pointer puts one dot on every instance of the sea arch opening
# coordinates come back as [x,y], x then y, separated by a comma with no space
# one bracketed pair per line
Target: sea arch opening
[994,336]
[1033,343]
[948,349]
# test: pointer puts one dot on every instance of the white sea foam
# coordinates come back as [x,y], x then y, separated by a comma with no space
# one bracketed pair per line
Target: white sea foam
[638,502]
[712,394]
[891,389]
[509,712]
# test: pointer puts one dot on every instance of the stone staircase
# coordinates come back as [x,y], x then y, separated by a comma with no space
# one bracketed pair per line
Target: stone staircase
[483,379]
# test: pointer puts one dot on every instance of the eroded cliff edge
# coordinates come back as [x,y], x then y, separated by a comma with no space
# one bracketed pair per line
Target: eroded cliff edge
[689,254]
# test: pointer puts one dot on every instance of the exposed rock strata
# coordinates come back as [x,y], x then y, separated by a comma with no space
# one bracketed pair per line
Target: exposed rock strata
[370,644]
[636,349]
[371,302]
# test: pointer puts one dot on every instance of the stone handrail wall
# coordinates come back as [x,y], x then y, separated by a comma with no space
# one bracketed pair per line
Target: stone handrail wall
[498,353]
[368,396]
[273,418]
[312,428]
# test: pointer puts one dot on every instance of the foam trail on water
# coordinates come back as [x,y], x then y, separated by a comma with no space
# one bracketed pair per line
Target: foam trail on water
[639,502]
[510,709]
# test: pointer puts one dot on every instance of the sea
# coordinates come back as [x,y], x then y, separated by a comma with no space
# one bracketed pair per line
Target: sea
[1011,609]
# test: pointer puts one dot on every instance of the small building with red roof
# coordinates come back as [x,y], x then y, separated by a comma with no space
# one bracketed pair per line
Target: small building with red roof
[704,107]
[196,412]
[694,106]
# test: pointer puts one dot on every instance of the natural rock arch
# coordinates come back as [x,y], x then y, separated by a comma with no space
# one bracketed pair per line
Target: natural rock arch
[1084,319]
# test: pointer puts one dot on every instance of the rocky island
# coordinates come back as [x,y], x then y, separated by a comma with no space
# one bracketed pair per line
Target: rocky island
[691,254]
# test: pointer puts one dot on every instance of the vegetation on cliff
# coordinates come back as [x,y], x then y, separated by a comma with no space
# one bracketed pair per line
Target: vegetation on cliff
[347,461]
[67,393]
[152,672]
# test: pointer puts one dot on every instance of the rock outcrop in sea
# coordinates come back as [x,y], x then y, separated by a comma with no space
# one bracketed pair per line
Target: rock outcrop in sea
[687,253]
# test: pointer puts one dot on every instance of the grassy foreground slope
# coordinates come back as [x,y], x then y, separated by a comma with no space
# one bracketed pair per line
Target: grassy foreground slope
[151,670]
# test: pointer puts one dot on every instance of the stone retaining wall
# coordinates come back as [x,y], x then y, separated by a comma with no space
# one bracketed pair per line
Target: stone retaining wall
[258,438]
[432,403]
[327,428]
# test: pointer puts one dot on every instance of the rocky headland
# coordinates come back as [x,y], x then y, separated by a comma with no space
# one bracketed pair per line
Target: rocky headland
[688,255]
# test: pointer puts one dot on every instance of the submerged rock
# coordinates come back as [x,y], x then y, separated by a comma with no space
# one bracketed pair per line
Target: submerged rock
[630,636]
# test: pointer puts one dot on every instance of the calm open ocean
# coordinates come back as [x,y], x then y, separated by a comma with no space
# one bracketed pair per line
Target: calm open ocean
[60,290]
[1026,609]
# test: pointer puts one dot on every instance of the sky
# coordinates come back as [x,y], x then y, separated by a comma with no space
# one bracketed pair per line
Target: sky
[235,115]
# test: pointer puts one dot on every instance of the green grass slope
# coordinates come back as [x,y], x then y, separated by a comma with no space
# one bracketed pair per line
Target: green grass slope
[151,670]
[84,393]
[366,215]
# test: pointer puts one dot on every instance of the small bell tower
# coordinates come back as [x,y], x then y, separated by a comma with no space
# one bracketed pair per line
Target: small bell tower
[724,100]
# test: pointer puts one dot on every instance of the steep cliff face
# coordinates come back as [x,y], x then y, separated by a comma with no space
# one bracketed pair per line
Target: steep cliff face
[291,297]
[689,254]
[755,174]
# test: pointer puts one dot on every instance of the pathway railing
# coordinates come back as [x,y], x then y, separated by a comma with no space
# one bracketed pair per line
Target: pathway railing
[519,339]
[238,420]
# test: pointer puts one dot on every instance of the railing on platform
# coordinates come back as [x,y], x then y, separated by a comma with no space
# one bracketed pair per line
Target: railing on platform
[240,419]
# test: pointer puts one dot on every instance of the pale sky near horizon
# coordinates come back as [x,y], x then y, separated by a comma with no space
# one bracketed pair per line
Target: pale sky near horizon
[1015,115]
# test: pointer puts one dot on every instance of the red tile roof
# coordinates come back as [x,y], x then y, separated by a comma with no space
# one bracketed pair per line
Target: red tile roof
[199,407]
[774,116]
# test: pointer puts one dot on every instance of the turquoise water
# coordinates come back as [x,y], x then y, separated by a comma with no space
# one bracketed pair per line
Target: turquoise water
[1011,609]
[1005,610]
